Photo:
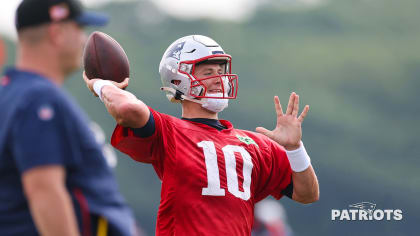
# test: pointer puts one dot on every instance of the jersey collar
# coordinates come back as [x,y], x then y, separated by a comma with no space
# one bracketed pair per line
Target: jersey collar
[226,123]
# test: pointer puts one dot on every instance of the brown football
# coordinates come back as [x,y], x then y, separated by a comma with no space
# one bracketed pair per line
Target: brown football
[104,58]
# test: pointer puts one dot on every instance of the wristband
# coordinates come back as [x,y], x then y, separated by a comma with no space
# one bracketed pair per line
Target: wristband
[299,159]
[98,85]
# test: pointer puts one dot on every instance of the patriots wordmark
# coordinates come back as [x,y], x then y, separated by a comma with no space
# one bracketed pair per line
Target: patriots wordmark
[366,211]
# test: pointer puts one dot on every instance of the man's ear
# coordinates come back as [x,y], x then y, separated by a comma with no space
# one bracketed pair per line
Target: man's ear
[3,52]
[55,34]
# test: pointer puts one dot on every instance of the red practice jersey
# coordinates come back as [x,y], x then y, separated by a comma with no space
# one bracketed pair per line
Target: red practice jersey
[210,179]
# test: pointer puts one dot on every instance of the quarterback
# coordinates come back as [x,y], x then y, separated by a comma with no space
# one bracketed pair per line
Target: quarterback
[212,174]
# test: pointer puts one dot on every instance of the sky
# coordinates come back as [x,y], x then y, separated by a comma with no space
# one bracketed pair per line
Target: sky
[7,14]
[231,10]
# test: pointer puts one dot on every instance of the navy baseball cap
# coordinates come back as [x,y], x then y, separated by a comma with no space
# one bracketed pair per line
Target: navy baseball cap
[36,12]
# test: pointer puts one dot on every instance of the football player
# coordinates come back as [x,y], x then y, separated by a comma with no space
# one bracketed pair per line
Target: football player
[212,174]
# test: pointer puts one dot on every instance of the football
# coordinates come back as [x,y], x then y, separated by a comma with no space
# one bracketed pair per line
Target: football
[104,58]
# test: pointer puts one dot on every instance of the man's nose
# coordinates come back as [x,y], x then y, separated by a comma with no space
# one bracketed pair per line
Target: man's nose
[216,80]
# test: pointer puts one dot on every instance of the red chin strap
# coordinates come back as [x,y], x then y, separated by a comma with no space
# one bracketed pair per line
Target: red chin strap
[180,96]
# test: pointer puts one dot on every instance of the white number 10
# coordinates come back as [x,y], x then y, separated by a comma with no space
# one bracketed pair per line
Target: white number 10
[213,178]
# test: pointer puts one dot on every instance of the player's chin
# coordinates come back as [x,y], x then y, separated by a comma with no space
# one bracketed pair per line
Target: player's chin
[209,111]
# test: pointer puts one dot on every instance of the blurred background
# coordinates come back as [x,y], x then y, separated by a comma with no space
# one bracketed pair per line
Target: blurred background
[355,62]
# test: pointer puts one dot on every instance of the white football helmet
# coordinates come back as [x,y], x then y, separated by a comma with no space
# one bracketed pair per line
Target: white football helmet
[177,68]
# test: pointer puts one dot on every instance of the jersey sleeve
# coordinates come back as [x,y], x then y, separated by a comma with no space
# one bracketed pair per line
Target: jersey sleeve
[149,149]
[40,134]
[276,173]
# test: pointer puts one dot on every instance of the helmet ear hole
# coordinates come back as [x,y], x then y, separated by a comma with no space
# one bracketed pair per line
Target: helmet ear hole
[176,82]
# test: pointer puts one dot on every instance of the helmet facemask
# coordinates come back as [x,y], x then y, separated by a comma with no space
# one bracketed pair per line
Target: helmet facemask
[198,89]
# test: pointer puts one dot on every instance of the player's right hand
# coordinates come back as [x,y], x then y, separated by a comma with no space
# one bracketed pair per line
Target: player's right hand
[90,82]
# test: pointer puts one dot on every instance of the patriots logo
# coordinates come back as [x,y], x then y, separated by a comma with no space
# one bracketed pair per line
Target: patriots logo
[247,140]
[45,113]
[365,206]
[175,51]
[59,12]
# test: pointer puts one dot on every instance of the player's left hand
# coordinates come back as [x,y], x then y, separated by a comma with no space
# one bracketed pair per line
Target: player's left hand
[288,131]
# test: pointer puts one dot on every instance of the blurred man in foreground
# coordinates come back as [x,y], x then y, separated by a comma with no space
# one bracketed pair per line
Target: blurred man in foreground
[54,179]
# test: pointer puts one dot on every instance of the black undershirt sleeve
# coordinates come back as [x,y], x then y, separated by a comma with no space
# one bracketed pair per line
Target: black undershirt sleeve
[147,130]
[288,191]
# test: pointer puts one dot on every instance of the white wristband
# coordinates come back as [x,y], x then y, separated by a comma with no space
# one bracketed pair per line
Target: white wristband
[98,85]
[299,159]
